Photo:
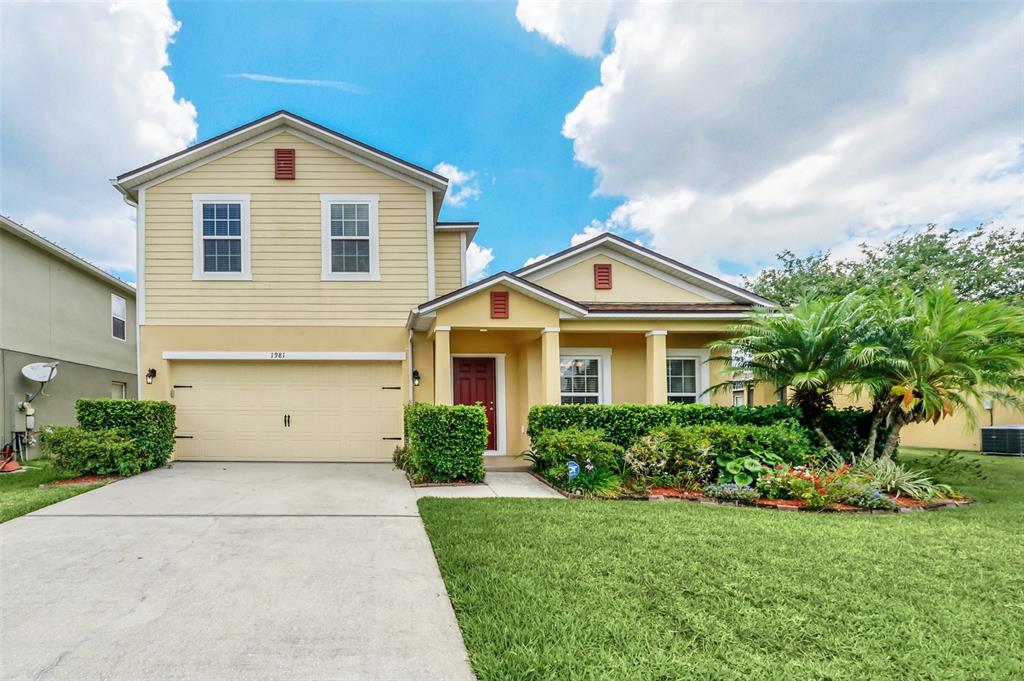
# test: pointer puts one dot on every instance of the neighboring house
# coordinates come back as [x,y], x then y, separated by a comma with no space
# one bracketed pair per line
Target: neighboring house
[296,288]
[55,306]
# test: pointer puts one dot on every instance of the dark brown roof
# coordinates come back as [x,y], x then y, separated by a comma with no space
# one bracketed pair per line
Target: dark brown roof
[669,307]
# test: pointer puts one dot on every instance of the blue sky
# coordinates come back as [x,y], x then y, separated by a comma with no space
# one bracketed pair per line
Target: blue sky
[718,133]
[461,84]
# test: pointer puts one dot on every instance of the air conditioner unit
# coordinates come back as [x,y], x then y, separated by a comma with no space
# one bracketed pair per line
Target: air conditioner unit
[1003,440]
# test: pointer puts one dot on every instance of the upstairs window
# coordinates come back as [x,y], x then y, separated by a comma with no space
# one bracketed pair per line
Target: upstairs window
[349,237]
[118,317]
[221,236]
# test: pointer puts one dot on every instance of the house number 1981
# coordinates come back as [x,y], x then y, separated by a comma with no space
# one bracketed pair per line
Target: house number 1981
[276,355]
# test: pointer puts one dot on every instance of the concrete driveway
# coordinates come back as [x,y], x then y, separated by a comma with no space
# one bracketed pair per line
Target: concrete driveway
[229,571]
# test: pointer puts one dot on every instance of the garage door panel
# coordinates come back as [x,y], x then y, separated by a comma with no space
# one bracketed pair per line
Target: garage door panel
[339,411]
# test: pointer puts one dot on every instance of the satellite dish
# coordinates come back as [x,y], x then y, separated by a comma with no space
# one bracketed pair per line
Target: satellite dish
[41,372]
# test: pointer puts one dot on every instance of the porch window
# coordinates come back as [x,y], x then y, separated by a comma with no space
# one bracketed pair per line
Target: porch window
[682,379]
[581,380]
[739,393]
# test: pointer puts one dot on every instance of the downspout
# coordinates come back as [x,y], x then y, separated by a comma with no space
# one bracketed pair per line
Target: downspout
[408,375]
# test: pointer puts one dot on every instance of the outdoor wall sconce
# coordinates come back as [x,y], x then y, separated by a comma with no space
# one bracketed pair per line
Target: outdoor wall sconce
[150,375]
[415,376]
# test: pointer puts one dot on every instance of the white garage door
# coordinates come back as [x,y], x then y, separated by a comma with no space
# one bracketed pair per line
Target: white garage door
[287,411]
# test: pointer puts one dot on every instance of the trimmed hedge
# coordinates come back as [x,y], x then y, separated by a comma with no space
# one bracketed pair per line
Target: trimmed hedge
[150,424]
[96,452]
[446,443]
[624,424]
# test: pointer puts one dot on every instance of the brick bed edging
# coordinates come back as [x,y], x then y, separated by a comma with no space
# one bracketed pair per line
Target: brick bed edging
[935,506]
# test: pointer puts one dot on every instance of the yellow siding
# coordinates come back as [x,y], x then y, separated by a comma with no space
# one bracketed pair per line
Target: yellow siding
[447,261]
[286,256]
[629,285]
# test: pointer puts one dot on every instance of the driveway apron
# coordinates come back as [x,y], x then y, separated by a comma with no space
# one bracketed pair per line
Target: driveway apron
[229,571]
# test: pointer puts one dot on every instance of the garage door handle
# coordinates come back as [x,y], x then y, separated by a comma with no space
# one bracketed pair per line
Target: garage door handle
[391,387]
[391,438]
[182,437]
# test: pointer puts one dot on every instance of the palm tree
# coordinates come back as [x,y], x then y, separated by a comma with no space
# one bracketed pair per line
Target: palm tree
[922,356]
[805,349]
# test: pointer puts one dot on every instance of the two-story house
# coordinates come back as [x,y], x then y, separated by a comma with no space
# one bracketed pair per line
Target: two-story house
[57,307]
[296,288]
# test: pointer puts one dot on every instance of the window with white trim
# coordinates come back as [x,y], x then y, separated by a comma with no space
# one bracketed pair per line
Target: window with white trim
[118,317]
[682,379]
[739,393]
[581,380]
[220,236]
[350,237]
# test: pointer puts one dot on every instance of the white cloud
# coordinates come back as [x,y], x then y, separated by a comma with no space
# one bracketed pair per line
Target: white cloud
[595,228]
[478,259]
[735,131]
[85,98]
[310,82]
[462,184]
[536,258]
[579,25]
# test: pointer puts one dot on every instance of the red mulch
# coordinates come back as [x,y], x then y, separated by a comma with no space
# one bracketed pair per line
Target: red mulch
[81,481]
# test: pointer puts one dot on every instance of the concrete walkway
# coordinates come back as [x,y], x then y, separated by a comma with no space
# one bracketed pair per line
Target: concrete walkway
[230,571]
[495,485]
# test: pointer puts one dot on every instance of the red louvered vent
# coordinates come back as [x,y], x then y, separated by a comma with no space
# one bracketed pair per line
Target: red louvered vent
[499,304]
[603,275]
[284,164]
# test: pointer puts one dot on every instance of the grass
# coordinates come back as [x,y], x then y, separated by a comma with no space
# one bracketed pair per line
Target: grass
[555,589]
[20,492]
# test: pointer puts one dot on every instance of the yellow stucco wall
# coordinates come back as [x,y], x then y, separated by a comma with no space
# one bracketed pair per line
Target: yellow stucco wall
[629,284]
[474,312]
[447,261]
[286,244]
[156,339]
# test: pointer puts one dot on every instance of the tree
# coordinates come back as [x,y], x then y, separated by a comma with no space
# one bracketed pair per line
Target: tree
[921,357]
[805,350]
[982,264]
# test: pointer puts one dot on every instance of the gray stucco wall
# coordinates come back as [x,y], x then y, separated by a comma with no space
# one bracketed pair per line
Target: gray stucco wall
[56,404]
[51,310]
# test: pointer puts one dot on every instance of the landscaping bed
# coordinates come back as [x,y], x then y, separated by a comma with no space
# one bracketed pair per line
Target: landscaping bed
[903,504]
[82,481]
[37,486]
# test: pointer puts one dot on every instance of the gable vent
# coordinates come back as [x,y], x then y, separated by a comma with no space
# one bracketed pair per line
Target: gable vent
[499,304]
[603,275]
[284,164]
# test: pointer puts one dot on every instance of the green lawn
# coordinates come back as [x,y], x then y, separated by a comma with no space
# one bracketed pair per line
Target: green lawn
[554,589]
[20,492]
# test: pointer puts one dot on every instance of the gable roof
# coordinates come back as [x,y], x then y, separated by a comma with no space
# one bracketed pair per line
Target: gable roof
[511,281]
[129,182]
[469,227]
[646,256]
[67,256]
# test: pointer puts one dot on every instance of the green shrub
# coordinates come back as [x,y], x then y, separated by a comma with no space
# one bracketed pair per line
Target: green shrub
[595,482]
[624,424]
[97,452]
[555,448]
[150,424]
[889,476]
[446,443]
[731,492]
[672,456]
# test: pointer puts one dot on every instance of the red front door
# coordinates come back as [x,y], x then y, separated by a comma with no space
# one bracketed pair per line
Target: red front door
[474,382]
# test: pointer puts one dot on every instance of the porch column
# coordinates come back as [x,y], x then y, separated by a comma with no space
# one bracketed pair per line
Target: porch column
[551,387]
[657,384]
[442,365]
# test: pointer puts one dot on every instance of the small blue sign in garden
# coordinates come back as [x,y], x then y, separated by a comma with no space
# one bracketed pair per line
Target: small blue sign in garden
[574,469]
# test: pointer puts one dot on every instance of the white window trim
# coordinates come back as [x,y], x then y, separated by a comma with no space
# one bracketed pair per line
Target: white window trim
[703,369]
[114,316]
[197,238]
[604,377]
[326,200]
